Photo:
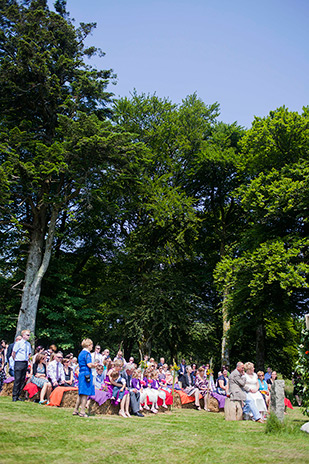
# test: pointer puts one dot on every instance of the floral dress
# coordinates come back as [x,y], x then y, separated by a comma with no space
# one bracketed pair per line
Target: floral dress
[202,385]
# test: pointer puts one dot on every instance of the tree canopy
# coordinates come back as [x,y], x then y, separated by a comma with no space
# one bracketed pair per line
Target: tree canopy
[140,222]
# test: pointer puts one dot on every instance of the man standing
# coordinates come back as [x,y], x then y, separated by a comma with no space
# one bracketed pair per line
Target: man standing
[134,393]
[182,371]
[20,354]
[238,393]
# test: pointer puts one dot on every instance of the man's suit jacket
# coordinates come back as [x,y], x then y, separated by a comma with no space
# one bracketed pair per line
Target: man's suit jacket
[186,382]
[182,371]
[237,383]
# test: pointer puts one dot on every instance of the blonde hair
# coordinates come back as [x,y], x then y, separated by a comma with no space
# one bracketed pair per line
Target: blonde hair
[260,373]
[25,331]
[86,343]
[118,363]
[136,374]
[248,366]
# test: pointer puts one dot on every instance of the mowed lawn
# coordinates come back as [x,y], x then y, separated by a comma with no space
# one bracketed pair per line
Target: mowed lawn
[30,433]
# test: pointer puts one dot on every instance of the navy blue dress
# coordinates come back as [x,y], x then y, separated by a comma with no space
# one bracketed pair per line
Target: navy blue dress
[85,388]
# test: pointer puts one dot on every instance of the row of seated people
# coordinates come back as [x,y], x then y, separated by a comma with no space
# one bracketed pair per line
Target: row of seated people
[156,383]
[58,371]
[152,383]
[50,369]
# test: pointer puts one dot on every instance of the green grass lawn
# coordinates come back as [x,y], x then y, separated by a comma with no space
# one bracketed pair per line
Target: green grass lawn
[31,433]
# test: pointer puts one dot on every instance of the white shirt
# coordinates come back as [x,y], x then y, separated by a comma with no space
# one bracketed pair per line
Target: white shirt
[11,363]
[97,357]
[52,373]
[22,350]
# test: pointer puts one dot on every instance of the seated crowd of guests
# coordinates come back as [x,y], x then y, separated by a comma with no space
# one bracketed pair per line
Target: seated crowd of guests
[130,385]
[139,386]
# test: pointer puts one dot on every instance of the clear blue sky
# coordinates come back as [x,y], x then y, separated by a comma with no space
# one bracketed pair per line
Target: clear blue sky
[249,56]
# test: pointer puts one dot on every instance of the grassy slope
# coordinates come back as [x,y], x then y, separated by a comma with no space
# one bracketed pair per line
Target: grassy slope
[31,433]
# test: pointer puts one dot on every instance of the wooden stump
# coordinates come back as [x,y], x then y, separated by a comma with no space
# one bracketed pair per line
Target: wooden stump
[233,410]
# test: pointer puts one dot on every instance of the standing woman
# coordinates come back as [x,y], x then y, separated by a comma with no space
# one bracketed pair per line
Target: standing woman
[85,381]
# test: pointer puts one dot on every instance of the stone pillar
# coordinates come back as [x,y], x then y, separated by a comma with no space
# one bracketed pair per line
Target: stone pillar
[277,399]
[232,410]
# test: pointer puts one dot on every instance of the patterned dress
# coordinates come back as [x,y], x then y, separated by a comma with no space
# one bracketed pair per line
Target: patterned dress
[39,381]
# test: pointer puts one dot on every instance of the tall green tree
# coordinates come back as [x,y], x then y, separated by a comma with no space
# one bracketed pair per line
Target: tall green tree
[268,274]
[53,134]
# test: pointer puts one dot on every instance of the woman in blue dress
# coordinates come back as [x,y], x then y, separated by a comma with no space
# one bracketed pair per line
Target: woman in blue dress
[85,380]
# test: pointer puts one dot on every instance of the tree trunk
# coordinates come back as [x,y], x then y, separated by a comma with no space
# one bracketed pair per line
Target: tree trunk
[225,355]
[260,346]
[37,265]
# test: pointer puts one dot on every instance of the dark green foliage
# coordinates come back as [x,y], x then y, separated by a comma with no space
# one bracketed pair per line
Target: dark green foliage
[275,427]
[155,204]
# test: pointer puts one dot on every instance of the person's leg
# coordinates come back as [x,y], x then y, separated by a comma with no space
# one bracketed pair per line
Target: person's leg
[20,371]
[122,406]
[134,402]
[143,399]
[154,406]
[126,405]
[83,402]
[162,395]
[77,405]
[250,407]
[43,392]
[48,390]
[196,394]
[2,378]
